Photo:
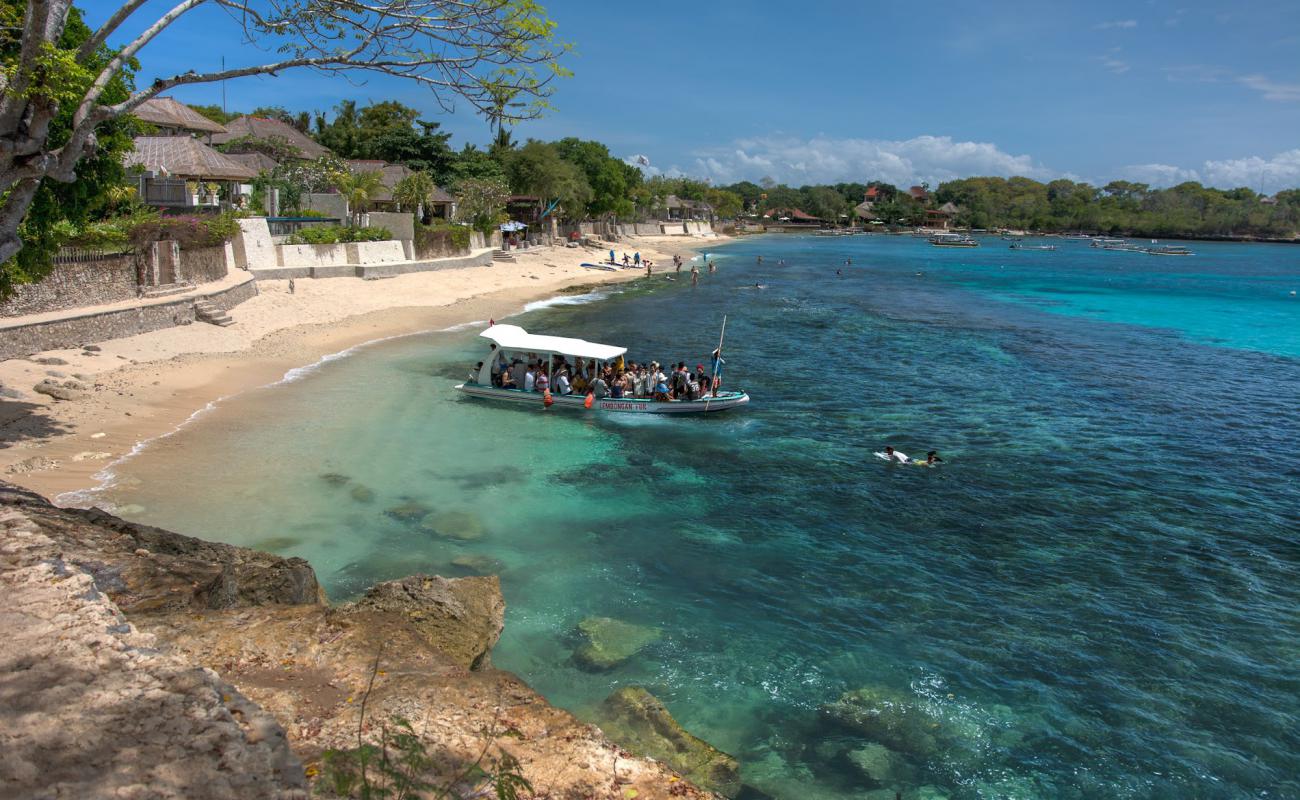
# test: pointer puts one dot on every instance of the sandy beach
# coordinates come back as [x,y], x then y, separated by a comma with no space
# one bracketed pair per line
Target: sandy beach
[145,386]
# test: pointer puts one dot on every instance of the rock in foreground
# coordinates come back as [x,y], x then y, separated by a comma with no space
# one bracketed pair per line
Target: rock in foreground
[638,720]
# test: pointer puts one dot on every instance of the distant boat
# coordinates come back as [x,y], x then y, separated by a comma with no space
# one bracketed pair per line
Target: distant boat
[1122,245]
[1021,246]
[1169,250]
[952,240]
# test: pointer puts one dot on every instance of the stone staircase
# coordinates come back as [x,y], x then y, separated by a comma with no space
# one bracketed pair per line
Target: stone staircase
[166,290]
[502,255]
[204,311]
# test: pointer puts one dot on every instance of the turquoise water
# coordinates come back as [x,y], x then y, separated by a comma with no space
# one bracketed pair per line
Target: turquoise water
[1094,597]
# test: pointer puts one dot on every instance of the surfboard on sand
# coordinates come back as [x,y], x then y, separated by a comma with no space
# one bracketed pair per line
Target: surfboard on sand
[590,265]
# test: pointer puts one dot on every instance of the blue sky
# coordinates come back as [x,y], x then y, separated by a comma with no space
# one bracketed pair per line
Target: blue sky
[824,91]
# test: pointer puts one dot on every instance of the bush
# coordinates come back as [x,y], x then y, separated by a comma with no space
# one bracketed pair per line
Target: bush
[190,231]
[441,239]
[334,234]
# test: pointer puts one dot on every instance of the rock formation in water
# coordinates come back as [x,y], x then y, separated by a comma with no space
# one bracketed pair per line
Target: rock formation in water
[142,663]
[638,720]
[609,642]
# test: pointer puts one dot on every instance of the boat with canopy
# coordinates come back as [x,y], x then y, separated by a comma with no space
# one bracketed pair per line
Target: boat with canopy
[511,342]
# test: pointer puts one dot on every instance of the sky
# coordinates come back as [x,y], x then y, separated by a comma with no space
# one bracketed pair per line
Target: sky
[823,91]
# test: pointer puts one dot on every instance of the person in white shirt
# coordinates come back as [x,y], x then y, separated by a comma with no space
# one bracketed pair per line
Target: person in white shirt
[562,383]
[894,455]
[530,380]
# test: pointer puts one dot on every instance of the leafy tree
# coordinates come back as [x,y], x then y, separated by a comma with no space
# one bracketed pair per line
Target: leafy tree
[537,169]
[38,216]
[360,188]
[482,202]
[214,113]
[474,164]
[470,51]
[414,190]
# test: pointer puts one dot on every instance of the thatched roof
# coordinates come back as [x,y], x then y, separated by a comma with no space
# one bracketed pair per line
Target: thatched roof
[183,157]
[265,128]
[259,162]
[165,112]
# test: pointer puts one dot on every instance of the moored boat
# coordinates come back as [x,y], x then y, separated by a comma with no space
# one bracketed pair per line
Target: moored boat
[511,342]
[953,240]
[1169,250]
[1023,246]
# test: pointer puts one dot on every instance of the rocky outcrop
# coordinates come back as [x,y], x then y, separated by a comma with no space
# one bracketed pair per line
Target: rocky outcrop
[177,668]
[609,642]
[90,708]
[462,617]
[147,570]
[635,718]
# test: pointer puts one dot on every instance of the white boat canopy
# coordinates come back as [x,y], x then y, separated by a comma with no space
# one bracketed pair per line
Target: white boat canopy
[513,337]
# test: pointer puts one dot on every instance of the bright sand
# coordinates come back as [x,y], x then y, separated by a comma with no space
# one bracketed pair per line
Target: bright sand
[147,385]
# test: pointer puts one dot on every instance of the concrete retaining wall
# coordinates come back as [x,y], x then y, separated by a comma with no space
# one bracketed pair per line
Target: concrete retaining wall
[401,225]
[331,205]
[206,264]
[75,331]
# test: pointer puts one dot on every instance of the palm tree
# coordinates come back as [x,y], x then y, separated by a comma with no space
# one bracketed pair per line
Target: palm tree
[413,191]
[359,188]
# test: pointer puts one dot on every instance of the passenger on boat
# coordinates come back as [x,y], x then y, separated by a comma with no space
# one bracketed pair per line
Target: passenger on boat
[542,383]
[508,380]
[599,388]
[562,384]
[530,378]
[473,376]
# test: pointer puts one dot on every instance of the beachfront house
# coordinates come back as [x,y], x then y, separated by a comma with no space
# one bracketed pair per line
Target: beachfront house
[261,134]
[790,217]
[941,218]
[179,172]
[680,209]
[919,194]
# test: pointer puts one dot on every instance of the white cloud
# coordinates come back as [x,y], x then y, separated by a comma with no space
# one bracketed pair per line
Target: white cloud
[821,159]
[1114,64]
[1281,92]
[1279,172]
[1118,23]
[1158,174]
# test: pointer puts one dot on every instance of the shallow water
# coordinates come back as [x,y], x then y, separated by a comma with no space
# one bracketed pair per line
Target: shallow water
[1094,597]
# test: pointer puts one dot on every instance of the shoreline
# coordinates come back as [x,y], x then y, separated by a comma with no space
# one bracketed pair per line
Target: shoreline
[152,385]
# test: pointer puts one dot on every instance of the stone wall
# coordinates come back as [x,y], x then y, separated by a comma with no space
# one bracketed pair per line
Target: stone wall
[71,285]
[24,340]
[206,264]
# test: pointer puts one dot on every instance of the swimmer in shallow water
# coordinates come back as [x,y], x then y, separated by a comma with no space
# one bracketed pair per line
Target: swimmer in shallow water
[932,458]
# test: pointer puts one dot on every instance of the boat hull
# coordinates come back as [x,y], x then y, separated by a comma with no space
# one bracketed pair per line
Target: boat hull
[725,401]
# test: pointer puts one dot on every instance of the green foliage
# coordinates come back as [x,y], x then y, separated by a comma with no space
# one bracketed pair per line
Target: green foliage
[388,131]
[483,202]
[99,176]
[1188,209]
[474,164]
[189,231]
[214,113]
[441,239]
[538,169]
[360,188]
[414,190]
[297,178]
[336,234]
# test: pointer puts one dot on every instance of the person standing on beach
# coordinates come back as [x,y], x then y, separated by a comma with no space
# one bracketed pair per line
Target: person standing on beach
[611,257]
[636,258]
[647,268]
